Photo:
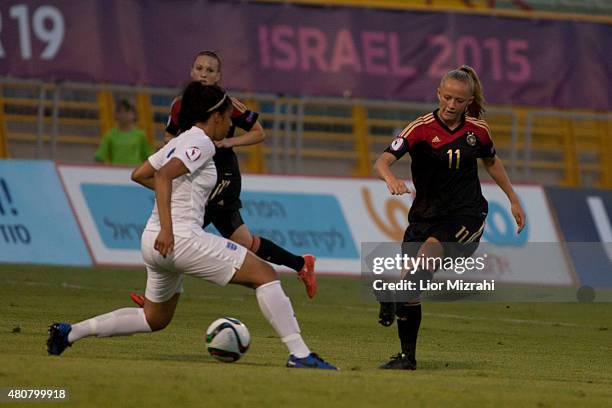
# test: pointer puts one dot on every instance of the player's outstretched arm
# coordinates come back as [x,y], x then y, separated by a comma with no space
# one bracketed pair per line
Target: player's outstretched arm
[382,168]
[144,175]
[496,170]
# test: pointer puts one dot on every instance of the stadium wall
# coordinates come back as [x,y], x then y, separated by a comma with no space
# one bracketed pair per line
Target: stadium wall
[102,213]
[584,219]
[37,225]
[369,53]
[330,217]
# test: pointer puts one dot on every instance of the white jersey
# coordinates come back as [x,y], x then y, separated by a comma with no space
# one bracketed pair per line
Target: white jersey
[190,191]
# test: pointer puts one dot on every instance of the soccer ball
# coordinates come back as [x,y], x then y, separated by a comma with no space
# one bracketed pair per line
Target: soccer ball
[227,339]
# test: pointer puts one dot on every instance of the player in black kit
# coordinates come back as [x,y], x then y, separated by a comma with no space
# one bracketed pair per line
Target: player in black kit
[448,212]
[223,207]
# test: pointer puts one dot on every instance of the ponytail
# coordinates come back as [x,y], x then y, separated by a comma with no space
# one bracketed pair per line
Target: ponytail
[477,107]
[467,74]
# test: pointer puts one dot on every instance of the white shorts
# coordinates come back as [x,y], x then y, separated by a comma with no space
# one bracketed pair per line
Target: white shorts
[204,256]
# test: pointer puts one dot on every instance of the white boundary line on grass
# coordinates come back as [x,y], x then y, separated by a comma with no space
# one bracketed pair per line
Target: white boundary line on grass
[465,317]
[507,320]
[123,290]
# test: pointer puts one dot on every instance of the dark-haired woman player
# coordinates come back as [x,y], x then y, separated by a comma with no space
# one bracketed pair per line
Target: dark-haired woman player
[223,208]
[448,213]
[183,174]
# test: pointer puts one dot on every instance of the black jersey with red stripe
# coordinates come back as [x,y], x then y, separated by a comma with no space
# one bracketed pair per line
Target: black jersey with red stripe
[444,166]
[226,194]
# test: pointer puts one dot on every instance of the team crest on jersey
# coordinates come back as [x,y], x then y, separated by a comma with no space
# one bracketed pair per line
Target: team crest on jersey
[471,138]
[193,153]
[397,144]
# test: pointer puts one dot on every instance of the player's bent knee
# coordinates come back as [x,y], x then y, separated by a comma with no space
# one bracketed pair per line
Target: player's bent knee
[268,273]
[254,272]
[158,321]
[159,315]
[243,236]
[246,242]
[255,244]
[262,272]
[431,249]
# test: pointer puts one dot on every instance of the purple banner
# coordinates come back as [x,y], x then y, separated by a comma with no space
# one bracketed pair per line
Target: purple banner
[300,50]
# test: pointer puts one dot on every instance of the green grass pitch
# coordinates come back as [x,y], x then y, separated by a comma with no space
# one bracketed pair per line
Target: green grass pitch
[470,353]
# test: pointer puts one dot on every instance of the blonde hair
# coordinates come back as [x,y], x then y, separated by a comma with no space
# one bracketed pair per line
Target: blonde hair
[468,75]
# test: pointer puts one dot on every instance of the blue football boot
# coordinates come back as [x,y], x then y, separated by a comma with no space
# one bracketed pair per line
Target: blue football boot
[58,338]
[312,361]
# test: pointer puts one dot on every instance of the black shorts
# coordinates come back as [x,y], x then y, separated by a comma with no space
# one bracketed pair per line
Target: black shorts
[226,194]
[459,236]
[225,221]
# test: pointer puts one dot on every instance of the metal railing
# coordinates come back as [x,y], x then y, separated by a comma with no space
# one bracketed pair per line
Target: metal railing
[355,131]
[581,141]
[307,135]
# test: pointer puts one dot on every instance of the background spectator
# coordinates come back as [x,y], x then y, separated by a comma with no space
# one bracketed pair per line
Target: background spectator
[125,144]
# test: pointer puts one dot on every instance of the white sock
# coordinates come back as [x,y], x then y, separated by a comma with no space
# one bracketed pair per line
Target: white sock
[277,309]
[121,322]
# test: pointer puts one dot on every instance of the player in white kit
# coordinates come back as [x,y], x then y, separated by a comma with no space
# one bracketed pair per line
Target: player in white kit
[182,174]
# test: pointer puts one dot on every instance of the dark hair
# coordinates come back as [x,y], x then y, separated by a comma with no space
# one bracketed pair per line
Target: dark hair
[467,74]
[199,102]
[124,104]
[211,54]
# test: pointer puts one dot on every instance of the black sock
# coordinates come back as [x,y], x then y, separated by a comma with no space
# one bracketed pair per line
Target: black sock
[271,252]
[408,323]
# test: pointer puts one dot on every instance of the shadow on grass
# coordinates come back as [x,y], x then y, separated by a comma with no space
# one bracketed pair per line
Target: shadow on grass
[449,365]
[203,359]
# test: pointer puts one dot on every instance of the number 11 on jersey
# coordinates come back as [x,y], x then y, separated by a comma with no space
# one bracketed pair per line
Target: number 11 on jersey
[450,158]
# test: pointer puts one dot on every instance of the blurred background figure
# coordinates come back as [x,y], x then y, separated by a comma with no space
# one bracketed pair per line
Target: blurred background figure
[125,144]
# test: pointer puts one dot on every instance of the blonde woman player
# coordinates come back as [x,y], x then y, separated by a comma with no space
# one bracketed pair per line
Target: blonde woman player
[448,214]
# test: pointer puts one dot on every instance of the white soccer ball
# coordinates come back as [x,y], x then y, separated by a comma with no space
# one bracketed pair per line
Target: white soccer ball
[227,339]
